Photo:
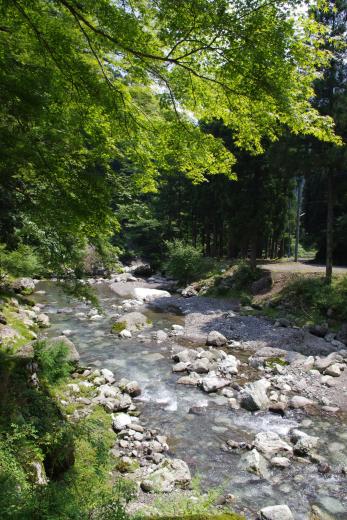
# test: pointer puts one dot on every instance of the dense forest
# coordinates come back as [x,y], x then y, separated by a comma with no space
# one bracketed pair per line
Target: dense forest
[193,140]
[204,128]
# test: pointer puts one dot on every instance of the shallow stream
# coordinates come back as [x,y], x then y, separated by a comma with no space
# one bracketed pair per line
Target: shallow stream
[197,438]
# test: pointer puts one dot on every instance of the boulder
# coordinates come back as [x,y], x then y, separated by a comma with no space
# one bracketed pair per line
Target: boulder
[43,320]
[200,366]
[189,291]
[133,388]
[159,336]
[193,379]
[125,334]
[185,356]
[299,401]
[145,294]
[8,334]
[212,382]
[216,339]
[170,473]
[262,285]
[133,321]
[180,367]
[24,284]
[229,365]
[254,462]
[319,330]
[280,462]
[144,270]
[334,370]
[269,443]
[122,420]
[322,363]
[108,375]
[73,354]
[279,512]
[254,396]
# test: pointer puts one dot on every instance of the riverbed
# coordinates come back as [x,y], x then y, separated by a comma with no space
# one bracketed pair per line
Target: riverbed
[198,438]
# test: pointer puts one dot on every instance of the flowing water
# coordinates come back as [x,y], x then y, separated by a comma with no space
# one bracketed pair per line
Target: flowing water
[197,438]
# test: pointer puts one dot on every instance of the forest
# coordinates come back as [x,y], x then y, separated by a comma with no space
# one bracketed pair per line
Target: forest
[197,139]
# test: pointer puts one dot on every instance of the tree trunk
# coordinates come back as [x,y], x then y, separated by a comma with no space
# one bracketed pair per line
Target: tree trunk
[329,236]
[300,188]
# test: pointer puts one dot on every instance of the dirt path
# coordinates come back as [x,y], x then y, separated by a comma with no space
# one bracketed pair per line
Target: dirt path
[300,267]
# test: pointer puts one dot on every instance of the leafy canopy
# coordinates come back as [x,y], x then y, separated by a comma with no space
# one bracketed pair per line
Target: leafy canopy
[91,82]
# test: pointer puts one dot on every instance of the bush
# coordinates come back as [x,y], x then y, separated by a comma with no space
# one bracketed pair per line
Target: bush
[52,360]
[313,297]
[185,262]
[244,276]
[23,261]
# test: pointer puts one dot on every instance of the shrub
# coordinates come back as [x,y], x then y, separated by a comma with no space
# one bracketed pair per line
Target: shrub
[185,262]
[52,360]
[23,261]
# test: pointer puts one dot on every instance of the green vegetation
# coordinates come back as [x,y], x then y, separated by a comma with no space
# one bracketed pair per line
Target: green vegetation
[52,361]
[311,300]
[197,505]
[118,327]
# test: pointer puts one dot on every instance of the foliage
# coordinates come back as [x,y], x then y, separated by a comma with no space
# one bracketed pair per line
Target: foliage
[185,262]
[310,298]
[22,261]
[197,505]
[52,361]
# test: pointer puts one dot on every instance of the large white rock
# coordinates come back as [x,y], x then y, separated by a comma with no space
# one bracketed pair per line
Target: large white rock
[269,443]
[73,354]
[146,294]
[121,420]
[279,512]
[212,382]
[254,462]
[133,321]
[170,473]
[216,339]
[254,396]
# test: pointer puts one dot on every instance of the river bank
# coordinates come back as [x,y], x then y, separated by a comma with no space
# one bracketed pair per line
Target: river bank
[237,424]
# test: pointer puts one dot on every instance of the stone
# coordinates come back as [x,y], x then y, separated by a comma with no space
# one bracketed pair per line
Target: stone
[212,383]
[305,445]
[108,375]
[270,443]
[8,334]
[159,336]
[133,388]
[121,420]
[144,270]
[322,363]
[229,365]
[254,462]
[143,293]
[125,334]
[23,284]
[26,351]
[298,401]
[133,321]
[185,356]
[200,366]
[189,291]
[38,473]
[170,473]
[319,330]
[280,462]
[334,370]
[193,379]
[73,355]
[180,367]
[216,339]
[279,512]
[43,320]
[234,404]
[254,396]
[328,381]
[262,285]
